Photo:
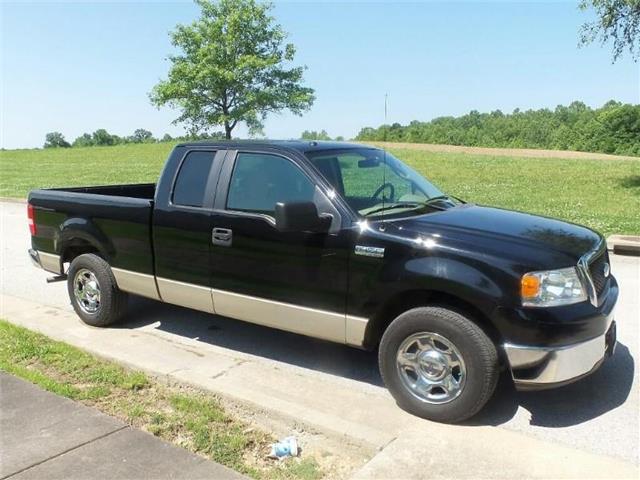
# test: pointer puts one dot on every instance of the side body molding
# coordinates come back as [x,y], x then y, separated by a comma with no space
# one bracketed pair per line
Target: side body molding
[136,283]
[336,327]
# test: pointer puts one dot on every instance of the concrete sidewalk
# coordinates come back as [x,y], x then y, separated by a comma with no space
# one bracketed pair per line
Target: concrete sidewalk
[43,435]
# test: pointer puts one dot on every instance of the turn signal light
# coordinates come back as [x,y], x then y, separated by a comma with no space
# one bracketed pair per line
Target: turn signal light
[31,220]
[529,286]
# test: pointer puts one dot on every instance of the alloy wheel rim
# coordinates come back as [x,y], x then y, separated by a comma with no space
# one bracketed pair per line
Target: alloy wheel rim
[86,290]
[431,368]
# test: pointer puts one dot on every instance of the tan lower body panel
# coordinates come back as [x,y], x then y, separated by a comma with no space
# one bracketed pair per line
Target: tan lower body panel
[50,262]
[186,294]
[355,329]
[137,283]
[284,316]
[332,326]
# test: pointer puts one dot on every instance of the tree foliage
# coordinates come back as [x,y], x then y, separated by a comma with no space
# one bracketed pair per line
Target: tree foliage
[233,67]
[618,22]
[613,128]
[142,136]
[55,140]
[313,135]
[102,137]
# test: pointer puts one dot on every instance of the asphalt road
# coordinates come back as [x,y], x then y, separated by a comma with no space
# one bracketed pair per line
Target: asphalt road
[600,414]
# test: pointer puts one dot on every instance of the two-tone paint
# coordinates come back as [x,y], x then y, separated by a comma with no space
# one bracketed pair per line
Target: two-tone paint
[345,285]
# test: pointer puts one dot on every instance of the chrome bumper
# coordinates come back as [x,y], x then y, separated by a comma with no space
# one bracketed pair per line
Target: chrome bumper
[46,261]
[539,367]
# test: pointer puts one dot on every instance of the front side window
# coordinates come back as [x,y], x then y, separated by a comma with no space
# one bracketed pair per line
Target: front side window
[190,187]
[261,180]
[373,181]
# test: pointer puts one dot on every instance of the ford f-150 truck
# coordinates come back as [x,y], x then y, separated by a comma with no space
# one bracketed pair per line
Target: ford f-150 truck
[345,243]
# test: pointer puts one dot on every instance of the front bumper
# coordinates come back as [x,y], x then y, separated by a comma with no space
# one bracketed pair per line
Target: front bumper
[535,368]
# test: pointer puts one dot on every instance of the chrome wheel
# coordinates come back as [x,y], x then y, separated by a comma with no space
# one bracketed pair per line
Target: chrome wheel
[431,367]
[86,290]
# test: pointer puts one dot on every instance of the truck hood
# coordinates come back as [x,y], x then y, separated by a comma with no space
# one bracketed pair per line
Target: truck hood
[487,228]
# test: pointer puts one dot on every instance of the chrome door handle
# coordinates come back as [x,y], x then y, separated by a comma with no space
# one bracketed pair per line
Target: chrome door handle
[222,237]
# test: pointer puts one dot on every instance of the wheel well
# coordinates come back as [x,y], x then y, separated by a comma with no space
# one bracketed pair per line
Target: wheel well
[76,247]
[422,298]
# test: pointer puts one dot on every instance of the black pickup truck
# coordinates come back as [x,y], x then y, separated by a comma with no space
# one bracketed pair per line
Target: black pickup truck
[345,243]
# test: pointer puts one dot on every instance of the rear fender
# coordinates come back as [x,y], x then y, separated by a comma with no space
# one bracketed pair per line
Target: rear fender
[79,231]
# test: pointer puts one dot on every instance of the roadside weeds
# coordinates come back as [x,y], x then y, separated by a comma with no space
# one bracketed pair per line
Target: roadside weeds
[181,415]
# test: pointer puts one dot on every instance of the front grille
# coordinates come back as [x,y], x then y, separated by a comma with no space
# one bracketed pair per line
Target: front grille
[596,270]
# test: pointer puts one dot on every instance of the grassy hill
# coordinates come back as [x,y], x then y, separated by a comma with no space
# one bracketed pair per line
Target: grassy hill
[602,194]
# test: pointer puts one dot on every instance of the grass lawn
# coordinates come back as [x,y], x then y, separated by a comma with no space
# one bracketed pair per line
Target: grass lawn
[184,416]
[602,194]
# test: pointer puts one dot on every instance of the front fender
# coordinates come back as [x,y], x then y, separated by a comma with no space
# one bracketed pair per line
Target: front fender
[466,279]
[381,291]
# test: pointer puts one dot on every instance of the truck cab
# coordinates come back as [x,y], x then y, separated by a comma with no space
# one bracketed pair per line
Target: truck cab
[346,243]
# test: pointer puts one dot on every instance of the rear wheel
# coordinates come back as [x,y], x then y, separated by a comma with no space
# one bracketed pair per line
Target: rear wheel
[438,364]
[93,291]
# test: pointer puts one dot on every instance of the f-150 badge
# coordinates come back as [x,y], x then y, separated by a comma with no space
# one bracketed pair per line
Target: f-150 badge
[367,251]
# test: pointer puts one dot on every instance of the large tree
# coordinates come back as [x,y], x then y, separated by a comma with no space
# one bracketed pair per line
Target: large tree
[141,136]
[618,21]
[55,140]
[233,66]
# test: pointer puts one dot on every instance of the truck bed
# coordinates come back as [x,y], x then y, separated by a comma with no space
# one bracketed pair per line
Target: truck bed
[119,215]
[141,190]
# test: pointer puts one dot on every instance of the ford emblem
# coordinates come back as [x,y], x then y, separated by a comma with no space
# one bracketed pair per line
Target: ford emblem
[606,269]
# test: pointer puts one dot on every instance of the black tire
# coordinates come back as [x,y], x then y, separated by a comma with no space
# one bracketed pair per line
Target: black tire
[478,353]
[113,301]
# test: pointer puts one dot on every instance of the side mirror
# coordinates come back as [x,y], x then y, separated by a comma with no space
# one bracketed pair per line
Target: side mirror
[368,163]
[300,217]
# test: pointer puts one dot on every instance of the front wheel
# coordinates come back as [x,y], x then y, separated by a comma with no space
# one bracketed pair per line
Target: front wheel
[93,291]
[438,364]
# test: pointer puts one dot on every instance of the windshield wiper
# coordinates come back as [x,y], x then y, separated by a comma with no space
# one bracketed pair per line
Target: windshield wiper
[439,197]
[427,202]
[392,206]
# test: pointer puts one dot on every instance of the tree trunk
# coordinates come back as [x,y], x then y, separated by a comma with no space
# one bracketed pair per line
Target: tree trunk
[227,130]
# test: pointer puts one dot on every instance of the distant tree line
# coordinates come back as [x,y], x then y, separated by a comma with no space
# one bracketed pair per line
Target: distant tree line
[613,128]
[102,138]
[321,135]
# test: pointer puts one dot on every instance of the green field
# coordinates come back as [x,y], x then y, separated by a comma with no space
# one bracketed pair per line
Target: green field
[602,194]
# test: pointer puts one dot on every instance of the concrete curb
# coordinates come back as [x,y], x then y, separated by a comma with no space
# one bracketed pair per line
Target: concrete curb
[489,453]
[13,200]
[624,244]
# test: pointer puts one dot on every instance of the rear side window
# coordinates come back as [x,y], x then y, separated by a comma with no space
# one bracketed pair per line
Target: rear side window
[191,184]
[261,180]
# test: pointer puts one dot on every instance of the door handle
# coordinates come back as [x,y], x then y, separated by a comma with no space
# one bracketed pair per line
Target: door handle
[222,237]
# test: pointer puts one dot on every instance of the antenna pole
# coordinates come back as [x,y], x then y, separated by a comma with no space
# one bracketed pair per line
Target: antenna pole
[386,96]
[384,154]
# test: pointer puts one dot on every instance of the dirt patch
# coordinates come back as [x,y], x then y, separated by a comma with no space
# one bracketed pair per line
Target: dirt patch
[503,152]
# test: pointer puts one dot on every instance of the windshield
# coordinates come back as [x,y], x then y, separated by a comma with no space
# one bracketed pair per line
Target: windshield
[374,182]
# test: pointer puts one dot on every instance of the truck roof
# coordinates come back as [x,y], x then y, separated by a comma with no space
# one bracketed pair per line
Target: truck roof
[300,145]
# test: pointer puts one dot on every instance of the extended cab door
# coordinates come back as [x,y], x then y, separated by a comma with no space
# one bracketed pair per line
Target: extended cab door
[294,281]
[182,227]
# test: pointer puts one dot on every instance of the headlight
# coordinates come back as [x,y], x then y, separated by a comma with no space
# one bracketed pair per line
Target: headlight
[552,288]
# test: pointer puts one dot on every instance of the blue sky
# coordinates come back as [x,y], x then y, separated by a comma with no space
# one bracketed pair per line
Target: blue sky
[76,67]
